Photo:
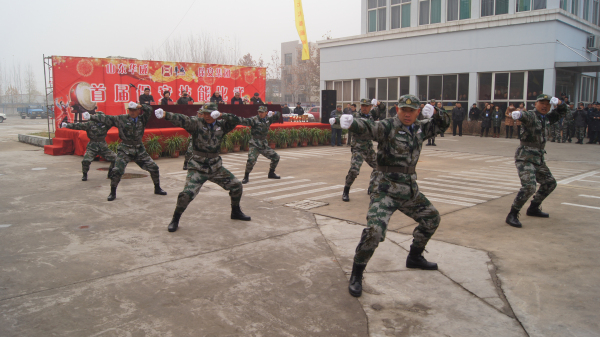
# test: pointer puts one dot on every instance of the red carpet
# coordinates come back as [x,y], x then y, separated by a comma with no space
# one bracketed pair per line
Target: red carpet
[64,137]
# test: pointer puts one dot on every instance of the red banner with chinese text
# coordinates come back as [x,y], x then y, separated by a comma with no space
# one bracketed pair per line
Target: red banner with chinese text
[99,84]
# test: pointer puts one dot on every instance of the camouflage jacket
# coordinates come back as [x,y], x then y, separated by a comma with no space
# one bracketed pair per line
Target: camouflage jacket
[379,112]
[129,129]
[569,118]
[205,138]
[397,146]
[361,141]
[534,132]
[96,131]
[260,128]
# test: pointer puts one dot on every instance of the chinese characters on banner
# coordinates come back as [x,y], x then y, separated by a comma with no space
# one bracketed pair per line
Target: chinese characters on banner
[97,84]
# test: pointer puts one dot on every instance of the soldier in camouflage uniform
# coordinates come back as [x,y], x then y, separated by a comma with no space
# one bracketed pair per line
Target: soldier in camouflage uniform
[529,157]
[394,187]
[362,147]
[580,119]
[131,131]
[568,126]
[554,131]
[188,154]
[378,111]
[96,132]
[259,127]
[206,164]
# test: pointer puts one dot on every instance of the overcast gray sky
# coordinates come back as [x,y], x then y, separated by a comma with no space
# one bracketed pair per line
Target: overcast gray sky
[125,27]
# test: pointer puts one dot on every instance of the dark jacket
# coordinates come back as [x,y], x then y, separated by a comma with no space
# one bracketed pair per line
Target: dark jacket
[580,117]
[285,111]
[256,100]
[497,116]
[239,100]
[458,114]
[335,114]
[486,119]
[594,120]
[392,112]
[184,100]
[146,99]
[165,101]
[218,100]
[474,114]
[299,111]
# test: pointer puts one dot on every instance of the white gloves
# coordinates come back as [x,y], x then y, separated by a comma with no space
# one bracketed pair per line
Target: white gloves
[270,114]
[331,121]
[554,101]
[345,121]
[63,125]
[85,115]
[215,114]
[160,113]
[428,111]
[516,114]
[374,102]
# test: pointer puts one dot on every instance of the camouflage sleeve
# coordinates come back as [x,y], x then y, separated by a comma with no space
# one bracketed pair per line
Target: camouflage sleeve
[436,124]
[181,121]
[247,121]
[275,117]
[558,113]
[147,112]
[527,118]
[102,118]
[231,121]
[78,126]
[377,131]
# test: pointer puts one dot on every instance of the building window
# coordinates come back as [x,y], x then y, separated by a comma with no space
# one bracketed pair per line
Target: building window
[450,88]
[288,59]
[494,7]
[502,89]
[458,10]
[575,7]
[347,91]
[400,17]
[404,85]
[595,12]
[430,11]
[564,4]
[525,5]
[376,15]
[587,89]
[586,9]
[356,90]
[388,90]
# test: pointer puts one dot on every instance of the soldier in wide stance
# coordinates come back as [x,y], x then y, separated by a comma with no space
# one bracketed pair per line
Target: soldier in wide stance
[362,147]
[259,127]
[131,131]
[97,146]
[393,184]
[207,134]
[529,157]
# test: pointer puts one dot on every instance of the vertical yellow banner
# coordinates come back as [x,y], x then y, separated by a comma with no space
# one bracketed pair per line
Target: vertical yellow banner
[301,27]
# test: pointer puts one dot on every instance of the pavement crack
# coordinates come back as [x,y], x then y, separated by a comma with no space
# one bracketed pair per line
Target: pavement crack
[155,264]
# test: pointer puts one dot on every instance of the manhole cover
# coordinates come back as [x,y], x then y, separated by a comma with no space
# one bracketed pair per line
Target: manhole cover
[103,169]
[133,175]
[306,204]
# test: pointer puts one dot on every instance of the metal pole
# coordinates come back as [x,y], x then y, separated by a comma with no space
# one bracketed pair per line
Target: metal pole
[46,92]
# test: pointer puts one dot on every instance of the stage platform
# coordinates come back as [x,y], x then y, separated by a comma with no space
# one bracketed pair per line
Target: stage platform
[69,141]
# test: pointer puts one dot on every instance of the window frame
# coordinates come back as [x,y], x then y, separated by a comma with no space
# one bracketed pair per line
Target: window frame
[430,13]
[401,5]
[526,100]
[381,15]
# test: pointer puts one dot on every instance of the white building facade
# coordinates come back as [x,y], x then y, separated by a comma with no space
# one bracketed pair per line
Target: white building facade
[468,51]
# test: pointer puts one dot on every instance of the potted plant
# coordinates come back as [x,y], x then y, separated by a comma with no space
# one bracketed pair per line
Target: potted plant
[272,138]
[226,144]
[236,139]
[294,137]
[344,135]
[327,137]
[246,136]
[184,144]
[304,134]
[114,146]
[283,138]
[152,145]
[314,136]
[173,145]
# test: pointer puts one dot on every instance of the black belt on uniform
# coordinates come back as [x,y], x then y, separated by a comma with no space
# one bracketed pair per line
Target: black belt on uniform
[206,154]
[535,145]
[132,142]
[397,169]
[98,140]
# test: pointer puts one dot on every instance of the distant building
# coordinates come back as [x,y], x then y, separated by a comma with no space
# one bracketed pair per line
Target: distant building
[291,90]
[273,91]
[469,51]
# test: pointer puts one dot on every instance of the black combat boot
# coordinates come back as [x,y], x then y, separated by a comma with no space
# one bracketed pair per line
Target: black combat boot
[428,142]
[185,166]
[513,218]
[158,190]
[237,214]
[174,222]
[355,284]
[415,259]
[246,178]
[345,195]
[113,193]
[84,178]
[272,175]
[535,210]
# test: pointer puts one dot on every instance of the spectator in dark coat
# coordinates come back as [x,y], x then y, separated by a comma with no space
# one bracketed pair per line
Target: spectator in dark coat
[580,119]
[285,110]
[166,100]
[594,124]
[497,117]
[237,99]
[486,120]
[184,99]
[298,110]
[146,98]
[474,113]
[458,116]
[216,98]
[256,99]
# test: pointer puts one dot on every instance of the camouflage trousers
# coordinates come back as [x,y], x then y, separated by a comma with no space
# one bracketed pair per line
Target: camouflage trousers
[137,154]
[195,180]
[554,131]
[568,130]
[358,157]
[268,152]
[190,151]
[529,174]
[580,133]
[381,208]
[97,149]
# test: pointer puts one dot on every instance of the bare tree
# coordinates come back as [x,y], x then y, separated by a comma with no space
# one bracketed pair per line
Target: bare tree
[274,67]
[197,48]
[30,85]
[306,75]
[248,61]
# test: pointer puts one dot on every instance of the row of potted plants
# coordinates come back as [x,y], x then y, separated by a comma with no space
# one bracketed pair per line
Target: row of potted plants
[235,141]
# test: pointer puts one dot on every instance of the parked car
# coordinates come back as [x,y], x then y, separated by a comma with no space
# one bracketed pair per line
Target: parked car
[32,111]
[316,112]
[2,117]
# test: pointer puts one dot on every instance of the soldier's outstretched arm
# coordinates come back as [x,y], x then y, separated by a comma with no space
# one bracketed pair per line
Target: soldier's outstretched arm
[377,131]
[102,118]
[181,121]
[556,114]
[438,123]
[77,126]
[276,116]
[231,121]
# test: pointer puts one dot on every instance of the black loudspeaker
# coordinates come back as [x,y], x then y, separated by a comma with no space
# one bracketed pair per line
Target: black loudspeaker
[328,103]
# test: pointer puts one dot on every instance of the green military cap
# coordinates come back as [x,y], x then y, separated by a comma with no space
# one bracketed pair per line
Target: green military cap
[208,107]
[410,101]
[262,108]
[543,97]
[365,101]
